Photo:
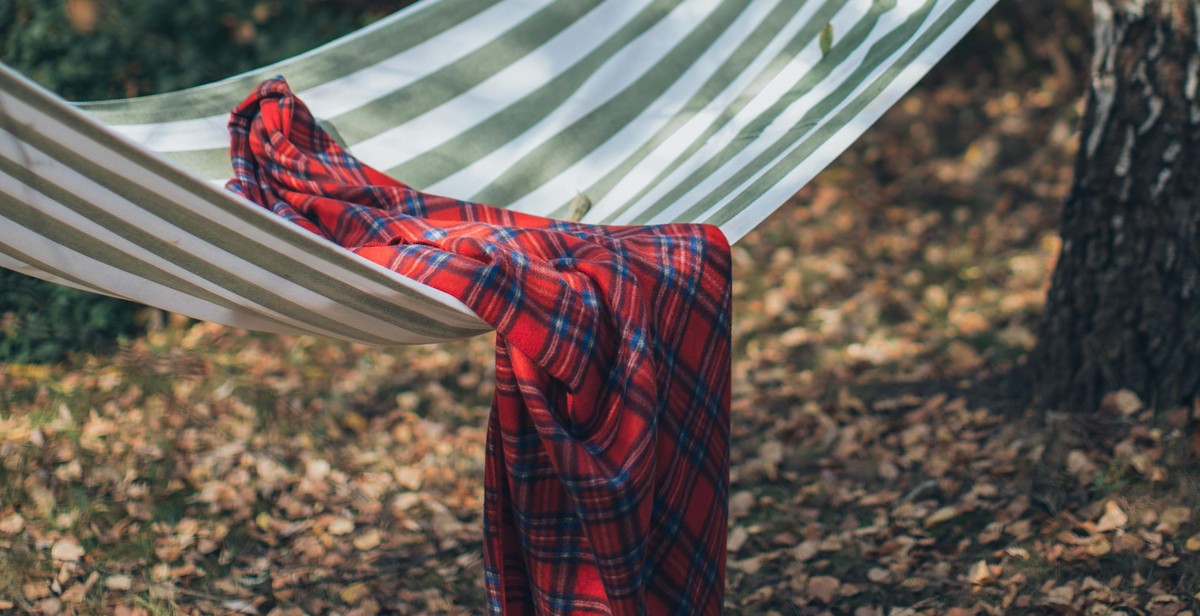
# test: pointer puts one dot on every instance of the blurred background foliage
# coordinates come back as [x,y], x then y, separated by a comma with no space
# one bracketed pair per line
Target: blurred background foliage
[98,49]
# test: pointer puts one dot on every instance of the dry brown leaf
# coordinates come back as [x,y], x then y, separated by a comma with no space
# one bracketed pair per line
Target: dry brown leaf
[340,526]
[879,575]
[749,565]
[49,606]
[66,550]
[33,591]
[1099,548]
[1078,462]
[368,540]
[1061,599]
[737,538]
[1112,519]
[75,594]
[981,574]
[12,524]
[823,588]
[118,582]
[409,477]
[1017,552]
[1171,519]
[771,455]
[945,514]
[806,550]
[740,504]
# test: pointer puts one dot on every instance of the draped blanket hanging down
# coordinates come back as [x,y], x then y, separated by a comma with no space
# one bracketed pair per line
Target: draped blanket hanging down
[607,450]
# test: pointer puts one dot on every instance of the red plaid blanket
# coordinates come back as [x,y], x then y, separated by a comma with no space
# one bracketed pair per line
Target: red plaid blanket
[607,453]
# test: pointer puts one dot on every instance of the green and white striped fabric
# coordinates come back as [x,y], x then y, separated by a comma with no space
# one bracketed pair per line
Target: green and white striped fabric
[657,111]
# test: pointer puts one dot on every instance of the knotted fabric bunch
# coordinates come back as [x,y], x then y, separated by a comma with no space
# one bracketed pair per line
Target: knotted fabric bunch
[606,488]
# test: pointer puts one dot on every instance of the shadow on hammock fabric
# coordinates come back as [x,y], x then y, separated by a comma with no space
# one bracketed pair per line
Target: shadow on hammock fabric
[707,111]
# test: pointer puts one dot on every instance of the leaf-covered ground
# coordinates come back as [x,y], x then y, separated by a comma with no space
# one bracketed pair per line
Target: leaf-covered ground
[886,460]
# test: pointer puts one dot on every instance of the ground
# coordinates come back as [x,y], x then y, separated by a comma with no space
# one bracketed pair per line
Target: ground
[886,458]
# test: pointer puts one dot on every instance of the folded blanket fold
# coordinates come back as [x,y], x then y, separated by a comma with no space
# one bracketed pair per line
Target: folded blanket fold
[606,485]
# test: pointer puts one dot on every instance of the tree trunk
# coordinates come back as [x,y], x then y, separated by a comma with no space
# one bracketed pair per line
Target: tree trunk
[1124,306]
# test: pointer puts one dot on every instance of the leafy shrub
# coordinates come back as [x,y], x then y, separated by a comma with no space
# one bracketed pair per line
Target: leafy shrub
[42,322]
[97,49]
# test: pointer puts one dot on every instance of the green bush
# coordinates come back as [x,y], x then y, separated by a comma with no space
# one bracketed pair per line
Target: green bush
[42,322]
[96,49]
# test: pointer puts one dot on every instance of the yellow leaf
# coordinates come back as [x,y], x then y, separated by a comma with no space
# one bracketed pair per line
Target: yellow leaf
[354,421]
[354,593]
[825,39]
[1193,543]
[578,206]
[264,522]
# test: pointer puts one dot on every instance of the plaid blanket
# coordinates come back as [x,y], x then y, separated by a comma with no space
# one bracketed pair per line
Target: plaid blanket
[607,464]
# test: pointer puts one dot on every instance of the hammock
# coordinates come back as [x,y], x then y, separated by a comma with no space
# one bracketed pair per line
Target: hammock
[615,112]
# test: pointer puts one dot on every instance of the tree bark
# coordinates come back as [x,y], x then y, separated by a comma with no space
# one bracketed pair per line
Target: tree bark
[1123,309]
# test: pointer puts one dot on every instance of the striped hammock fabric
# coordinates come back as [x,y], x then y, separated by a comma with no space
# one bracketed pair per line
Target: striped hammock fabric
[648,111]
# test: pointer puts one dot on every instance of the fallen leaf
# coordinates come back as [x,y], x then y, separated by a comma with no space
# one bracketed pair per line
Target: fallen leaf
[1112,519]
[806,550]
[749,566]
[354,593]
[740,504]
[409,477]
[33,591]
[118,582]
[823,588]
[945,514]
[66,550]
[75,594]
[1171,519]
[12,524]
[1193,543]
[1124,402]
[49,606]
[737,538]
[1099,548]
[368,540]
[340,526]
[981,574]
